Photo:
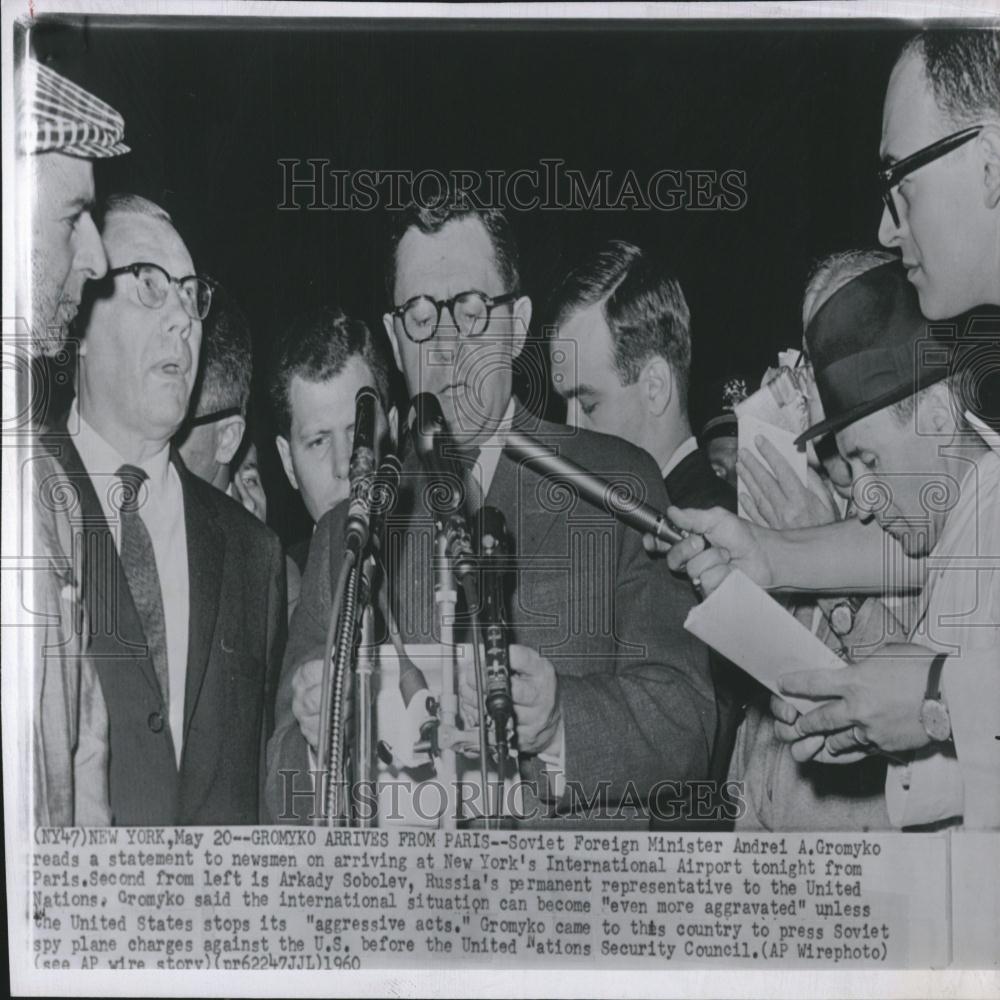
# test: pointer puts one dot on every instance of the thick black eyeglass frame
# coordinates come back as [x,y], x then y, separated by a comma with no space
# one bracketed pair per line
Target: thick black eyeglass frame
[210,418]
[890,176]
[135,267]
[490,301]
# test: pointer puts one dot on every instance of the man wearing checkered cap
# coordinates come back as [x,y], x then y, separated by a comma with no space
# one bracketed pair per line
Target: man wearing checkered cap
[60,129]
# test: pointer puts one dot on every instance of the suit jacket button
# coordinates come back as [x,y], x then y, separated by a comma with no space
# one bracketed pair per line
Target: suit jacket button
[155,722]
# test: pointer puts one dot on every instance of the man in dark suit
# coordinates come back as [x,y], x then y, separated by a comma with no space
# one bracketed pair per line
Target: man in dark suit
[611,695]
[621,359]
[185,589]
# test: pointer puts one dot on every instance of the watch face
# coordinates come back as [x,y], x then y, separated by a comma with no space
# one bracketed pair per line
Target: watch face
[934,717]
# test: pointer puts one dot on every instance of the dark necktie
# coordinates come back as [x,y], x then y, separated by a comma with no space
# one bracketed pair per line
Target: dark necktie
[139,563]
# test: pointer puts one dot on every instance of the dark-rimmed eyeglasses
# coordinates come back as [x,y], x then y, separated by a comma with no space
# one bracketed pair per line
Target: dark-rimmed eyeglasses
[153,285]
[470,311]
[890,176]
[211,418]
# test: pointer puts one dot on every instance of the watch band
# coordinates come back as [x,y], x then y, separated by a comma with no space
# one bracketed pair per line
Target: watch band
[934,677]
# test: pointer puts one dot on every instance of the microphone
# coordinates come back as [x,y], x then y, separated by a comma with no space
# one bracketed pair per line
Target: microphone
[635,513]
[493,547]
[385,490]
[361,472]
[431,437]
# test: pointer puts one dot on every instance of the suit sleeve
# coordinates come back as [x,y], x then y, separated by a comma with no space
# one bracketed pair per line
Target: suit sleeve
[277,633]
[289,792]
[651,717]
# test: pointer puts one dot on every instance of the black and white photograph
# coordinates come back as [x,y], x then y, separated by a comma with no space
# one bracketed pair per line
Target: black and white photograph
[501,499]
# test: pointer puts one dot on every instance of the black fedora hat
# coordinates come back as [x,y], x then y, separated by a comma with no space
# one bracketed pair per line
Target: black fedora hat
[870,347]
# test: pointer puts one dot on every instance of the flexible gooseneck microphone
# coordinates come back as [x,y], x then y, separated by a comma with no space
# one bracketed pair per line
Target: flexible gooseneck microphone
[362,472]
[432,440]
[493,548]
[599,492]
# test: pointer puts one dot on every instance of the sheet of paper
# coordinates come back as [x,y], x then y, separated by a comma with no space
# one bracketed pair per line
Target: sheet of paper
[750,427]
[750,628]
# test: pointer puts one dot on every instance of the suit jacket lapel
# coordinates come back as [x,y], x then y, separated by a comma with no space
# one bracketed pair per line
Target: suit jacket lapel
[113,613]
[206,550]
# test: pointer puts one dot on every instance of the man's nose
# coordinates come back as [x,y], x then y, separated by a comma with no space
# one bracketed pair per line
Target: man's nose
[90,257]
[889,232]
[341,459]
[176,320]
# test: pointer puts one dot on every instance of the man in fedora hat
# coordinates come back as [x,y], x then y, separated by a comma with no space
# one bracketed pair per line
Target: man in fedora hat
[892,393]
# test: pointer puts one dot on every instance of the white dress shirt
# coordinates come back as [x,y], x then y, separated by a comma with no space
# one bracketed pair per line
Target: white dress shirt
[682,452]
[161,507]
[960,615]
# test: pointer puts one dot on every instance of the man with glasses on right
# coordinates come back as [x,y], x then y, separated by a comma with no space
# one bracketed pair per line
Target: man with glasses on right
[941,168]
[941,194]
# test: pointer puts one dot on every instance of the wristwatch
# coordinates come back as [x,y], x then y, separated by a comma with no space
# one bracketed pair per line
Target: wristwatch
[842,615]
[934,712]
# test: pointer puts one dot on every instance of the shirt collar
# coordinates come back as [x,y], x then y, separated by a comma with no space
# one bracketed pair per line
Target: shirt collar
[489,454]
[102,459]
[686,448]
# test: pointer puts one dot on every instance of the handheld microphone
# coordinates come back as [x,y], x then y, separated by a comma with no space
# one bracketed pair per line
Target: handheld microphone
[635,513]
[493,547]
[361,472]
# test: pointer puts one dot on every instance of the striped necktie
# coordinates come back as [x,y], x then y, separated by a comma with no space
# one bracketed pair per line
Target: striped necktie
[139,563]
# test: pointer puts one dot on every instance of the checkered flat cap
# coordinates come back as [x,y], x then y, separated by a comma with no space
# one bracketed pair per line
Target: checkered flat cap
[57,116]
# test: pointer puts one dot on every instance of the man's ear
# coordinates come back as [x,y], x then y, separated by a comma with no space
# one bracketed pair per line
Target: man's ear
[394,426]
[228,435]
[390,330]
[657,381]
[989,141]
[939,410]
[522,324]
[285,453]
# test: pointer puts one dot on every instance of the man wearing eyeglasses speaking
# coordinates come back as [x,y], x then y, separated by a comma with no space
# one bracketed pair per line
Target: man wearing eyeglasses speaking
[611,695]
[185,589]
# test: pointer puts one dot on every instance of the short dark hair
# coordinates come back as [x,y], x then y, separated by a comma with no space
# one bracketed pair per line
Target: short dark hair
[643,304]
[226,358]
[317,346]
[963,67]
[452,204]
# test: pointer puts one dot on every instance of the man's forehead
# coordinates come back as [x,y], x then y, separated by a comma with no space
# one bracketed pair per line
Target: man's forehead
[459,257]
[332,397]
[130,237]
[584,341]
[65,179]
[911,118]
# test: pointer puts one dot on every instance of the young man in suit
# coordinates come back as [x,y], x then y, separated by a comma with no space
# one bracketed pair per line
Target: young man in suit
[184,588]
[611,695]
[621,359]
[320,363]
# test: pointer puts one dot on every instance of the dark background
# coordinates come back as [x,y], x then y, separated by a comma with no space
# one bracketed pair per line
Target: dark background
[211,105]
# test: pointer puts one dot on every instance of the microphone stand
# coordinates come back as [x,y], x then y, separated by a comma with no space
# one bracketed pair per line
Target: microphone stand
[340,647]
[364,743]
[446,597]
